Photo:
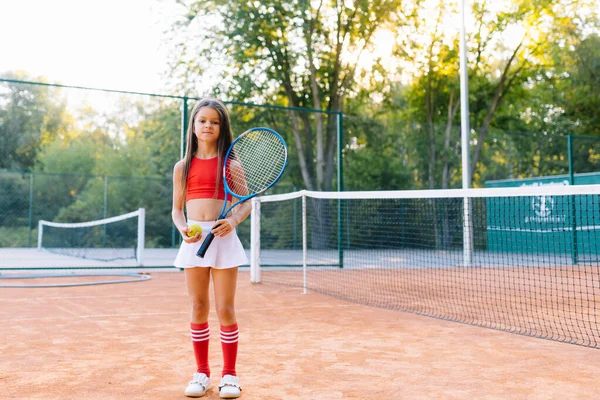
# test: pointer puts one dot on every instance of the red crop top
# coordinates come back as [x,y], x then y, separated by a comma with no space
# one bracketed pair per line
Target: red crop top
[202,178]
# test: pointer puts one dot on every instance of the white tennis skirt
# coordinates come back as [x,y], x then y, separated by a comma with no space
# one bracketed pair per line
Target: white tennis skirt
[224,252]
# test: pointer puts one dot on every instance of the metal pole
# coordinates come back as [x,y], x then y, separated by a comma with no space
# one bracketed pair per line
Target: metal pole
[139,255]
[304,266]
[340,187]
[30,207]
[570,158]
[465,140]
[40,234]
[340,146]
[574,255]
[295,228]
[105,213]
[184,122]
[255,241]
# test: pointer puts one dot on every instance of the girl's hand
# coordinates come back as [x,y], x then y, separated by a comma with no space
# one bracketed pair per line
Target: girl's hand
[189,239]
[223,227]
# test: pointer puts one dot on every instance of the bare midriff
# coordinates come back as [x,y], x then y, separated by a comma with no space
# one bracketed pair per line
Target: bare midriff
[204,209]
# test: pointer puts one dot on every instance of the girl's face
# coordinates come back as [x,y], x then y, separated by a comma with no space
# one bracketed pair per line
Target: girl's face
[207,125]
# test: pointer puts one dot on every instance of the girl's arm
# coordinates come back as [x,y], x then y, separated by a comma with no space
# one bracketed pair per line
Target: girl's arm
[240,213]
[179,200]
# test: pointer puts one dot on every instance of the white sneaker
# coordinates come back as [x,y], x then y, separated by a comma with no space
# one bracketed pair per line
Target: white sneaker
[198,385]
[229,388]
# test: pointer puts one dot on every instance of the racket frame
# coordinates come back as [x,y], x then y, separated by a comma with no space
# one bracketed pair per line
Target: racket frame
[224,211]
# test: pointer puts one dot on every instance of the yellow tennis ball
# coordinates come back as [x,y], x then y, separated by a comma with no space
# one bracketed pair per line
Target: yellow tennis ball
[194,229]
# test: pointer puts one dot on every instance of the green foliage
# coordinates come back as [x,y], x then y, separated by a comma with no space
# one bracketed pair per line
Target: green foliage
[16,236]
[532,81]
[578,90]
[373,159]
[14,198]
[160,128]
[82,154]
[30,115]
[246,117]
[297,53]
[111,165]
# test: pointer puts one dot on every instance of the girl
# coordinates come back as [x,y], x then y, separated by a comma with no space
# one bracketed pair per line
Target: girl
[198,184]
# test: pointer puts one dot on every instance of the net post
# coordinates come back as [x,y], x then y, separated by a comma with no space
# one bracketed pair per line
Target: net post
[467,233]
[340,188]
[465,133]
[574,255]
[255,241]
[141,237]
[105,213]
[304,272]
[30,206]
[40,230]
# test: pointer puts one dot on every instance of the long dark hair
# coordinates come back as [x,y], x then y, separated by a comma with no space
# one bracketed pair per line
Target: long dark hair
[223,143]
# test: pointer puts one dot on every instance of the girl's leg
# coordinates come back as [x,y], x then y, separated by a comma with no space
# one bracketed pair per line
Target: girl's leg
[225,282]
[198,280]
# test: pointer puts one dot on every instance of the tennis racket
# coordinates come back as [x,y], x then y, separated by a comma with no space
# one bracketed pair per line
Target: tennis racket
[253,163]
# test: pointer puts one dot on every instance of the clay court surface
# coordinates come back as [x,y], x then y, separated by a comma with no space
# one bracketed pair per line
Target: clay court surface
[131,341]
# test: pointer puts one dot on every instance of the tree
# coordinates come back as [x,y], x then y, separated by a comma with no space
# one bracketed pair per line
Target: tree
[30,115]
[579,86]
[371,159]
[509,81]
[160,127]
[434,97]
[542,23]
[300,53]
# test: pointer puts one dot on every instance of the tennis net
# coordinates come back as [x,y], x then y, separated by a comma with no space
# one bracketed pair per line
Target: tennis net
[523,260]
[109,239]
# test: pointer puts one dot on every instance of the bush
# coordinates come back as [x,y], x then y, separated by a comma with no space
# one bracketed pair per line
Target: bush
[17,236]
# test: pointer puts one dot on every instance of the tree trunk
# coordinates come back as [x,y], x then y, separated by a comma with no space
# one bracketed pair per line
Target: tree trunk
[501,89]
[452,109]
[429,107]
[321,161]
[296,128]
[331,150]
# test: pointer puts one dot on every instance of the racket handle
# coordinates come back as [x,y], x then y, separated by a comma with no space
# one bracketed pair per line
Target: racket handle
[202,250]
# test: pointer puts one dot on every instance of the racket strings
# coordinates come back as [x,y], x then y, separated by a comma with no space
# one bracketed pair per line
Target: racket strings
[258,165]
[255,162]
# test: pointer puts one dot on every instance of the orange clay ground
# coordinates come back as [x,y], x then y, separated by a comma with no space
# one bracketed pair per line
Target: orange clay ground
[131,341]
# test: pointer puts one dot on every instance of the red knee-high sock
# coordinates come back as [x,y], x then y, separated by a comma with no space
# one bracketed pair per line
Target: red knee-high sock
[200,335]
[229,345]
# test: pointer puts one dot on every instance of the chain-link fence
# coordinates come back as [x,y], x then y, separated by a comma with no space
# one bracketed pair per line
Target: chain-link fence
[388,153]
[74,154]
[28,197]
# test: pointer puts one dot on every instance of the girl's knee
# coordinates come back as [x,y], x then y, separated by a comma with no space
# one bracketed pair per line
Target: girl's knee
[200,308]
[226,315]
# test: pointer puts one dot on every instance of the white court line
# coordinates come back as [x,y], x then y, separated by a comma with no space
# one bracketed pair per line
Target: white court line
[17,299]
[168,313]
